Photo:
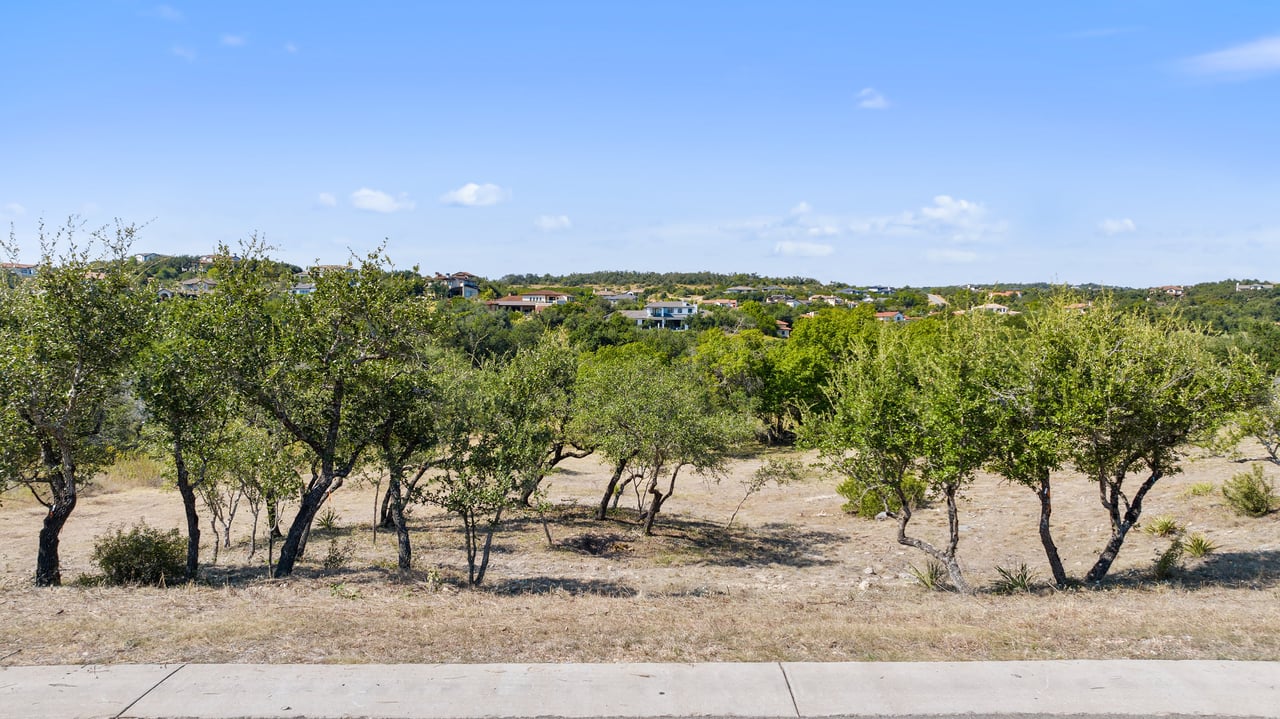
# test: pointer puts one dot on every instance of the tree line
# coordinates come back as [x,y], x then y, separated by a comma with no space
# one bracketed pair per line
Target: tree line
[254,395]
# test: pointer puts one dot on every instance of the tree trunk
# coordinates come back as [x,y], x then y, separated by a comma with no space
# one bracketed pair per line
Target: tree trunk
[1045,495]
[610,491]
[947,559]
[48,566]
[1120,525]
[404,551]
[295,540]
[488,545]
[189,507]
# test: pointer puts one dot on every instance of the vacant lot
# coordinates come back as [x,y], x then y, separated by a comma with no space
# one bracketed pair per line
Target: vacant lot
[794,578]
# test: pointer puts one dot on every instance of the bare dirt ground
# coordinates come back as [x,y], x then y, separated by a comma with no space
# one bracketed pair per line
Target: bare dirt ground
[795,578]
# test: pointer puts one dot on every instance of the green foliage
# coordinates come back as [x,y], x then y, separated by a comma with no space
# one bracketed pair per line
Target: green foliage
[143,555]
[1019,580]
[1163,526]
[1250,493]
[869,502]
[1199,489]
[339,554]
[933,576]
[1198,545]
[1170,560]
[327,520]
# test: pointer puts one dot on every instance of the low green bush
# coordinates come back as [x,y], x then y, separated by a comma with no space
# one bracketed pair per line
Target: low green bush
[1250,493]
[142,555]
[867,502]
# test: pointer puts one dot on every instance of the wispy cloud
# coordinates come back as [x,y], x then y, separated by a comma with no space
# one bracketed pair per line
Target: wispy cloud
[475,195]
[553,223]
[1259,57]
[1120,226]
[379,201]
[948,218]
[184,52]
[167,12]
[290,48]
[871,99]
[326,199]
[14,209]
[797,248]
[233,40]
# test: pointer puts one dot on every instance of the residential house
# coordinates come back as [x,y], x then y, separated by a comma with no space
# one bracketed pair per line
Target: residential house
[148,256]
[1253,286]
[784,329]
[196,286]
[663,315]
[828,299]
[534,301]
[302,288]
[994,308]
[207,260]
[731,304]
[891,316]
[614,298]
[1170,290]
[19,269]
[459,284]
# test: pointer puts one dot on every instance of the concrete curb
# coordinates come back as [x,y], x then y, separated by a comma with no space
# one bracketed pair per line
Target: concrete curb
[473,691]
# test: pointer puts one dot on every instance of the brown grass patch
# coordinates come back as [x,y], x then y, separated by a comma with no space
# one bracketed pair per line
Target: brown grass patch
[794,579]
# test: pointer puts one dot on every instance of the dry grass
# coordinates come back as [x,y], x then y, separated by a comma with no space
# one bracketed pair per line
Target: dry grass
[794,579]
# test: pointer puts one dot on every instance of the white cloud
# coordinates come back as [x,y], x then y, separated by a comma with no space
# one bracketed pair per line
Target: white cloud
[795,248]
[379,201]
[326,199]
[802,208]
[948,210]
[290,48]
[1117,227]
[167,12]
[474,195]
[948,256]
[184,52]
[871,99]
[14,209]
[553,223]
[233,40]
[1252,58]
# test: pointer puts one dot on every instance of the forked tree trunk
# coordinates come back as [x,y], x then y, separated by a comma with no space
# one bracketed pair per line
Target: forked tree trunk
[948,556]
[611,490]
[295,540]
[1110,491]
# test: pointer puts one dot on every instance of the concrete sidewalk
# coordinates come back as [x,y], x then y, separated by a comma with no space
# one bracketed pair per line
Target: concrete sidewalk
[441,691]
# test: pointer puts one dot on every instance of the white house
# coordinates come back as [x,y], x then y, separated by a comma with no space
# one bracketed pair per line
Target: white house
[663,315]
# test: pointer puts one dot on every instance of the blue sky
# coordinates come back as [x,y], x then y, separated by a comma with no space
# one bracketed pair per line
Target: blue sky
[1127,142]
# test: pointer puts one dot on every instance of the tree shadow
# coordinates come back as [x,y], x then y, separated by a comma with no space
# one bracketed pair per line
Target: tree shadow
[565,585]
[1253,570]
[776,543]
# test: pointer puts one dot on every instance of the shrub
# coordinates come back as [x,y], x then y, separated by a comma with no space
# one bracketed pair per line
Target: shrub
[1171,560]
[1197,545]
[1019,580]
[933,577]
[143,555]
[1199,489]
[338,555]
[328,520]
[1163,526]
[1249,493]
[868,502]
